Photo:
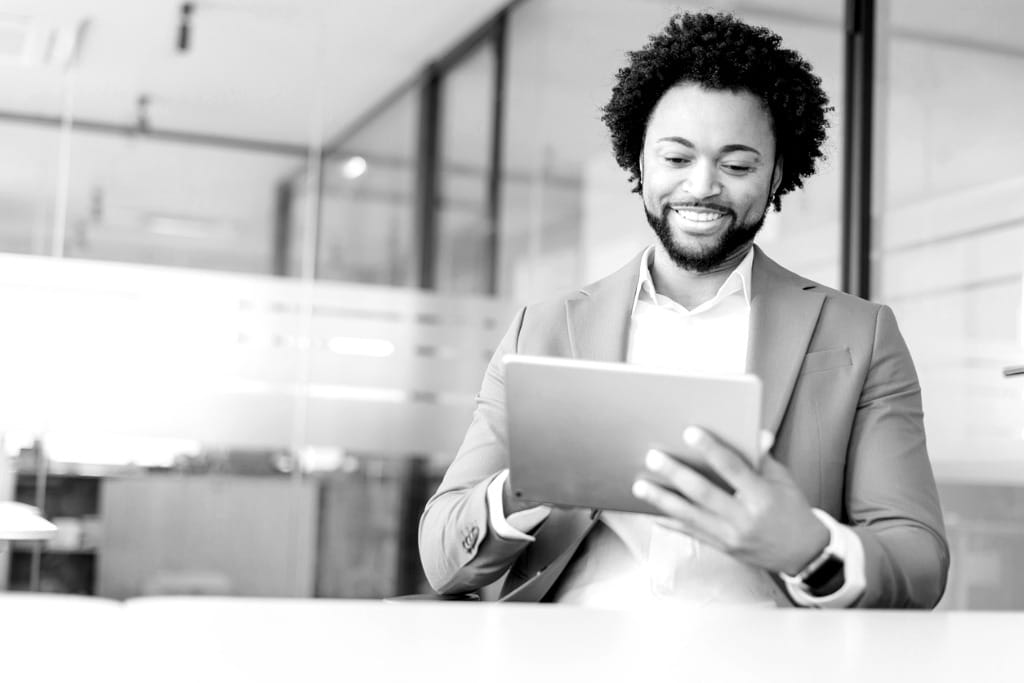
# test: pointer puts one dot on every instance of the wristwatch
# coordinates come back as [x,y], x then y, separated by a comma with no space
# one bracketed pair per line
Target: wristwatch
[824,574]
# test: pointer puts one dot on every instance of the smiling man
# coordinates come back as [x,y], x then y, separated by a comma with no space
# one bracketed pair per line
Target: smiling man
[715,122]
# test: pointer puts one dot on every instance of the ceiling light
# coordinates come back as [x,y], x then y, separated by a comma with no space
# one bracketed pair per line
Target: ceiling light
[353,167]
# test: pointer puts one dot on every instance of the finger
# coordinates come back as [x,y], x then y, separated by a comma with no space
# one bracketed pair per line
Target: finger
[685,516]
[694,486]
[734,468]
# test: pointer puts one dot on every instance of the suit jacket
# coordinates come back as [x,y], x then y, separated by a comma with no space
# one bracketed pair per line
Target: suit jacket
[840,393]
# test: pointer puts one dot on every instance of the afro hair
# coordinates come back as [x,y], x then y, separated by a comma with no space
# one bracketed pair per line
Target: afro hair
[720,52]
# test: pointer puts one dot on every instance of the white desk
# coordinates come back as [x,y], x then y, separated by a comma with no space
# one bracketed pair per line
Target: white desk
[179,639]
[20,522]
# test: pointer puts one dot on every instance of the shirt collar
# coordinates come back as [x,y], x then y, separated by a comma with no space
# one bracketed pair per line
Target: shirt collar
[738,281]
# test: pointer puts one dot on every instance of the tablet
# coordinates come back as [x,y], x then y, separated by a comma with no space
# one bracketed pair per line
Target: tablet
[579,430]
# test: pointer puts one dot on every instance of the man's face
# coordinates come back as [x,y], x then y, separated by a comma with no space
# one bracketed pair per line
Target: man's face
[707,173]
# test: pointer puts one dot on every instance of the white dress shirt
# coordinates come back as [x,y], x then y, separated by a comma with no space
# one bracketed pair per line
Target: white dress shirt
[631,560]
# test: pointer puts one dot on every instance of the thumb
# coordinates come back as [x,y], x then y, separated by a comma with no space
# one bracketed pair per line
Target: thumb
[765,441]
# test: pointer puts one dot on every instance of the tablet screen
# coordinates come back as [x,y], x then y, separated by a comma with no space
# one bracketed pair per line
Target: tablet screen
[579,430]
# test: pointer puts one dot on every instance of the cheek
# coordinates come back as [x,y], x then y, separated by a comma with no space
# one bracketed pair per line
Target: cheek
[651,190]
[659,184]
[749,201]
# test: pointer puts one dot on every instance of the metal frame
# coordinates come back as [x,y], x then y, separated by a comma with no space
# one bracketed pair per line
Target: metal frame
[857,147]
[428,82]
[431,114]
[497,142]
[426,177]
[164,135]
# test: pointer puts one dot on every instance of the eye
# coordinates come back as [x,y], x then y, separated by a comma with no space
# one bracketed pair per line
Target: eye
[738,169]
[675,159]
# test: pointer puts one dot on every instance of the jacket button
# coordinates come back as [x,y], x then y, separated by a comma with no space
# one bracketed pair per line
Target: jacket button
[470,538]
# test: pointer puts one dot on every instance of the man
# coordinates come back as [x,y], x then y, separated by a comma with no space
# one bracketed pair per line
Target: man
[715,122]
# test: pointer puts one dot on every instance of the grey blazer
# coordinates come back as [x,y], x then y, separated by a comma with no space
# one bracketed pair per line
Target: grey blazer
[840,393]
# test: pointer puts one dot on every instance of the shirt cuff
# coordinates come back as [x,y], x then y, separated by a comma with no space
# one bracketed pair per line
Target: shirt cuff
[848,546]
[516,526]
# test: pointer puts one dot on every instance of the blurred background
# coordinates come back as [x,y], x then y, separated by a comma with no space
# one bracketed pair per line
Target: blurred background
[255,255]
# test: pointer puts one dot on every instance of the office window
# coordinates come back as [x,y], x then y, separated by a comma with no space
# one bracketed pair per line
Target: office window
[949,259]
[32,158]
[368,200]
[178,163]
[463,224]
[159,202]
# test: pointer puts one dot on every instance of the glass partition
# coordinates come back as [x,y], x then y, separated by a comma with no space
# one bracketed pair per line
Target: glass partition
[142,409]
[227,382]
[368,199]
[949,259]
[136,199]
[465,230]
[28,186]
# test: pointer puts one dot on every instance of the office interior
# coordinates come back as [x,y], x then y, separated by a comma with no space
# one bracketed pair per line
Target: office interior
[254,258]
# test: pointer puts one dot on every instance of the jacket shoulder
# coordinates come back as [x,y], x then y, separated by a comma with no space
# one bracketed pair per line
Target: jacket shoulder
[835,298]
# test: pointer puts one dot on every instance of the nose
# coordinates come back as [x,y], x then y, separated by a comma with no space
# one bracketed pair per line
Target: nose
[702,180]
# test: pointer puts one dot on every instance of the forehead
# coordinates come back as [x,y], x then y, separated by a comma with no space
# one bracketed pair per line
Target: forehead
[712,118]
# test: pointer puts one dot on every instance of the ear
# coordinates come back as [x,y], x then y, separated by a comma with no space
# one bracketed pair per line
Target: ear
[777,176]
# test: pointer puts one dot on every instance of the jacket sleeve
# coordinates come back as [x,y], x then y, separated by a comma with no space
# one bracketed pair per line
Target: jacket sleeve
[458,549]
[891,499]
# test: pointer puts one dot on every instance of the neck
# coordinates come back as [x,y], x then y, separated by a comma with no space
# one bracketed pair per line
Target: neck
[691,288]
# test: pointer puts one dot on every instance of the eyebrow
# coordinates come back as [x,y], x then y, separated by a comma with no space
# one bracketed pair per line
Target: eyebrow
[725,149]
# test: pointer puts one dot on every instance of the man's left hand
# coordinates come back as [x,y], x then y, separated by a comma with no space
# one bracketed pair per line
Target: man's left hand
[766,522]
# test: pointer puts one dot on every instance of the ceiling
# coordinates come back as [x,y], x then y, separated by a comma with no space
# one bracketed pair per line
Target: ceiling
[310,67]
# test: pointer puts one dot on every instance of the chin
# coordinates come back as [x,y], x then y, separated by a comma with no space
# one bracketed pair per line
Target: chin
[702,254]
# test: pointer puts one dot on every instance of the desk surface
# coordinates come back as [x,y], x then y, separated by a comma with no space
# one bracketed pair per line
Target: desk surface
[20,522]
[256,640]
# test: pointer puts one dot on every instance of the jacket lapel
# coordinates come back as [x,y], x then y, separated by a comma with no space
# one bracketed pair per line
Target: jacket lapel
[598,317]
[598,324]
[784,310]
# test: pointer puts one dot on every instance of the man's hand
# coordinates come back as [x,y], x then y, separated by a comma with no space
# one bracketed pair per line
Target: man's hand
[767,522]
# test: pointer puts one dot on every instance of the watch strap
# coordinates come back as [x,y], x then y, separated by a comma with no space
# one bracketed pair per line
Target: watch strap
[824,574]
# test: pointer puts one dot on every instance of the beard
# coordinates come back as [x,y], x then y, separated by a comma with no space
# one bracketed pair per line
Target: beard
[706,258]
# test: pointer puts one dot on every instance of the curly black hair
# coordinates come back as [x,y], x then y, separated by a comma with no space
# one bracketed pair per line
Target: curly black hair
[720,52]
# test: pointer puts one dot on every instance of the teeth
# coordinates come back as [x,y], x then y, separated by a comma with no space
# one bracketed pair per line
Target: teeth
[698,216]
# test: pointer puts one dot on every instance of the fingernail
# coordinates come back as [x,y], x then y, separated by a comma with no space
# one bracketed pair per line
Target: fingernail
[692,435]
[641,488]
[655,459]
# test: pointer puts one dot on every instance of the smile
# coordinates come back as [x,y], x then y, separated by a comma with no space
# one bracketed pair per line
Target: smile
[699,215]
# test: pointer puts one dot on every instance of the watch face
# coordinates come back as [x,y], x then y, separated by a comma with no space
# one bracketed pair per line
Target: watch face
[827,578]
